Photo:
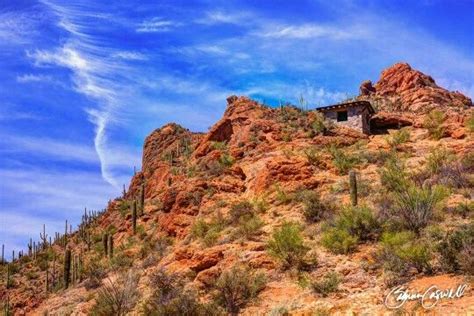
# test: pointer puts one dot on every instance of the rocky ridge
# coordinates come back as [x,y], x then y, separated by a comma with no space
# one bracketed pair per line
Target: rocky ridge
[261,154]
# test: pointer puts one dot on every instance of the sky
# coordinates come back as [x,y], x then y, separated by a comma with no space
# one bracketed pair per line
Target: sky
[82,83]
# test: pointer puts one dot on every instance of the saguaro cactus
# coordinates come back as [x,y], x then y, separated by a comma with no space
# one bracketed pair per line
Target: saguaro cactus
[3,254]
[353,187]
[105,239]
[134,216]
[44,237]
[8,280]
[111,246]
[47,280]
[142,199]
[67,267]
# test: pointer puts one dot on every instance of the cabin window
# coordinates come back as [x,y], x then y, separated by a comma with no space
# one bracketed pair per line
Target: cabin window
[342,116]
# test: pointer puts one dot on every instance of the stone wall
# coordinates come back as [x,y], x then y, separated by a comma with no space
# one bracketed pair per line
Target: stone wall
[357,118]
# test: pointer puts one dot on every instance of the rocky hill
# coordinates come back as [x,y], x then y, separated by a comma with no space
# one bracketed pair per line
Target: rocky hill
[276,211]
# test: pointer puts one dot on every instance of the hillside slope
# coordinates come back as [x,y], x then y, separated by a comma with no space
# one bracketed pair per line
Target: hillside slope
[255,217]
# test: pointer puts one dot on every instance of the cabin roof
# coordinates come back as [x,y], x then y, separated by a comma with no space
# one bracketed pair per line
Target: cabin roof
[345,105]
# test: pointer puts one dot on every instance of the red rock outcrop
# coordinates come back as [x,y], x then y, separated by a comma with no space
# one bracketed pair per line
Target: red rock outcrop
[401,88]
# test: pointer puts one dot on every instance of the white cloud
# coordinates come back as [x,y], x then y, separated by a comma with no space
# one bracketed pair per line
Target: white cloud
[129,55]
[307,31]
[25,78]
[50,148]
[155,25]
[222,17]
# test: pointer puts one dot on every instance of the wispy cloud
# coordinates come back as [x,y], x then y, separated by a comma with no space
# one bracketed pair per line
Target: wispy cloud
[32,78]
[18,27]
[307,31]
[51,148]
[224,17]
[156,25]
[129,55]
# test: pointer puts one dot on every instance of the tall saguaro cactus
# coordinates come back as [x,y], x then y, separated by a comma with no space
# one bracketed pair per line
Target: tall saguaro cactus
[8,281]
[111,246]
[105,240]
[67,267]
[134,216]
[142,199]
[353,187]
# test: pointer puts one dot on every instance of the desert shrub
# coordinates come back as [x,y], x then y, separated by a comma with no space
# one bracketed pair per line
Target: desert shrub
[287,245]
[433,122]
[397,138]
[437,159]
[404,250]
[117,297]
[94,272]
[313,156]
[226,160]
[314,209]
[342,161]
[42,261]
[338,240]
[120,260]
[237,286]
[465,209]
[319,125]
[412,205]
[466,259]
[470,123]
[207,232]
[241,209]
[352,225]
[219,145]
[260,204]
[170,297]
[328,284]
[282,196]
[454,247]
[157,247]
[248,227]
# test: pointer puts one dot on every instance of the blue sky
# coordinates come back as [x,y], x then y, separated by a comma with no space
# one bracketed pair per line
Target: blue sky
[83,82]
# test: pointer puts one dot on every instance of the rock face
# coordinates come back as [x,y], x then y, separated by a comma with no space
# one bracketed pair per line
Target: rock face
[401,88]
[265,157]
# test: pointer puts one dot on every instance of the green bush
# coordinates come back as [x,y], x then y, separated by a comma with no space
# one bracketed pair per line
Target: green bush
[287,245]
[313,156]
[314,209]
[352,225]
[404,250]
[226,160]
[241,209]
[465,209]
[470,123]
[342,161]
[329,284]
[237,286]
[433,122]
[454,247]
[437,159]
[248,227]
[117,297]
[339,240]
[399,137]
[170,297]
[412,205]
[207,232]
[94,272]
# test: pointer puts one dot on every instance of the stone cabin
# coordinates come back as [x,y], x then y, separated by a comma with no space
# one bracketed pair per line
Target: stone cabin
[354,114]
